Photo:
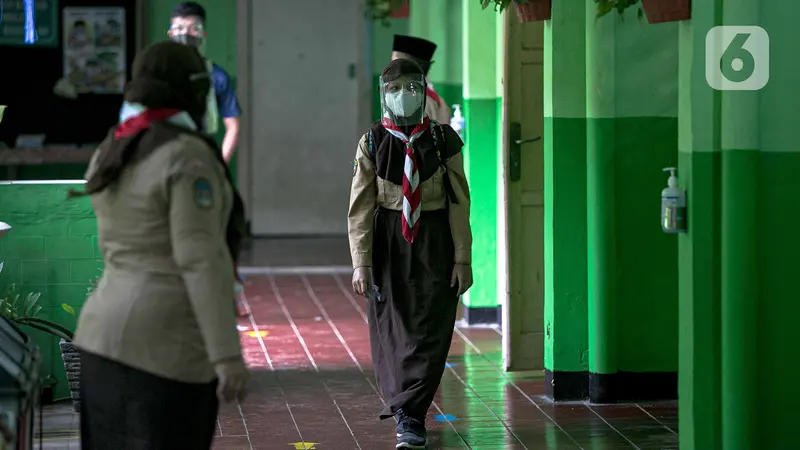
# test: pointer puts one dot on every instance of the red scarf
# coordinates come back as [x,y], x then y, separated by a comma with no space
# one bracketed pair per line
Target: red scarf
[412,191]
[143,121]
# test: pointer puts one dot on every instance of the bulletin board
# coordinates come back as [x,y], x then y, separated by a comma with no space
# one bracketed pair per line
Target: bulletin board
[30,73]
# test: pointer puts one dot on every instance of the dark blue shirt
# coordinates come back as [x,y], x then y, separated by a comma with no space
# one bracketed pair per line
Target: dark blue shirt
[227,103]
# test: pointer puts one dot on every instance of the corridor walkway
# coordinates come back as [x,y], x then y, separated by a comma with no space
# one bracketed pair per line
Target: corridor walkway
[307,343]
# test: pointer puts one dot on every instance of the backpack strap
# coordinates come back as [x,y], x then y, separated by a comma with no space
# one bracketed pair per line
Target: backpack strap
[440,142]
[371,144]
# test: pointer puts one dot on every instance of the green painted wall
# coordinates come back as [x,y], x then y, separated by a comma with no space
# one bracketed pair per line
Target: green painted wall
[52,249]
[480,106]
[638,117]
[611,301]
[739,158]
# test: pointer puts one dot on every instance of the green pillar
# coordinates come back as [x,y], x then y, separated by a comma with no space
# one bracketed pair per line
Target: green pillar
[699,277]
[565,125]
[740,212]
[480,113]
[600,154]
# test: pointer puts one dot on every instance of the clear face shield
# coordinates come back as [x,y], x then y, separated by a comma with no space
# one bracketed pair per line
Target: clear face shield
[403,100]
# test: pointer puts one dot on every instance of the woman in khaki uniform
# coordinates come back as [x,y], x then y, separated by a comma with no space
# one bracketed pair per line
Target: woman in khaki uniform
[409,231]
[158,336]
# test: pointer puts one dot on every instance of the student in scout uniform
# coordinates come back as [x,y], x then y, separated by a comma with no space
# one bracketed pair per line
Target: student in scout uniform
[411,243]
[158,336]
[421,52]
[188,27]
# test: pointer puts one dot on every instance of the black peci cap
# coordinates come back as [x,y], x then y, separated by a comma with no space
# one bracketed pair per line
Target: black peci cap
[422,49]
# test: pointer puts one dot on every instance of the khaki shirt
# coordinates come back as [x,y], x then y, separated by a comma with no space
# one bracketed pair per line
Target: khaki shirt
[369,191]
[165,302]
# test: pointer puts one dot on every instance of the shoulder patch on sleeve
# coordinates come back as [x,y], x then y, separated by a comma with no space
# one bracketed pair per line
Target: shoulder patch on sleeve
[355,166]
[203,193]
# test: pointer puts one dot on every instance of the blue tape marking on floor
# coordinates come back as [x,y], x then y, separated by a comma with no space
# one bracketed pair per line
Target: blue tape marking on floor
[445,418]
[449,365]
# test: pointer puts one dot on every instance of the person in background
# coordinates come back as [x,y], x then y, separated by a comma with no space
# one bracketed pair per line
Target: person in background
[158,337]
[188,26]
[411,246]
[421,52]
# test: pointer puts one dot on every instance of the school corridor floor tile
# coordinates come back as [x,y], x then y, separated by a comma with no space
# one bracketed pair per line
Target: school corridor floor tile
[306,341]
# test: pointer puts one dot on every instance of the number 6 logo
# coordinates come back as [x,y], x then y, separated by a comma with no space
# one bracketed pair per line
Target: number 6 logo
[737,58]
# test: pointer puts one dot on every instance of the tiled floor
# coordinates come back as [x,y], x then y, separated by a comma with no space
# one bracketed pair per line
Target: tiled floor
[307,344]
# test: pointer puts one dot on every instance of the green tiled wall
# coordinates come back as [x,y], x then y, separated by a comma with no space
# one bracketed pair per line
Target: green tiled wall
[52,249]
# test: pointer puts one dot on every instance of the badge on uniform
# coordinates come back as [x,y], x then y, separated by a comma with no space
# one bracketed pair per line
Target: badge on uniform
[355,167]
[203,193]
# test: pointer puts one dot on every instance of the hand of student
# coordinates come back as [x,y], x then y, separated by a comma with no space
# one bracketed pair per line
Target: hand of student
[462,274]
[232,376]
[362,281]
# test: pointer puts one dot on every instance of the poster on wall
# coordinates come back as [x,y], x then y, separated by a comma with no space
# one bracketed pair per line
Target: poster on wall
[94,49]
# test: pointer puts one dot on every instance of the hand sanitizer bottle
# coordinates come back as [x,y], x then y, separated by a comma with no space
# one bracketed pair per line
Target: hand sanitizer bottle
[457,122]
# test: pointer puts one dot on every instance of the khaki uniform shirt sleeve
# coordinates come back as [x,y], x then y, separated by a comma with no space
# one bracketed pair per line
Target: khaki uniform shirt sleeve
[459,212]
[199,205]
[363,197]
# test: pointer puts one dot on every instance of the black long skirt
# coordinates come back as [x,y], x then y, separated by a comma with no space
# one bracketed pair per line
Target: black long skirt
[412,325]
[128,409]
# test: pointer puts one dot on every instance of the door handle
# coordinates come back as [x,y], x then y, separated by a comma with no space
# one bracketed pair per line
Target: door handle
[525,141]
[515,150]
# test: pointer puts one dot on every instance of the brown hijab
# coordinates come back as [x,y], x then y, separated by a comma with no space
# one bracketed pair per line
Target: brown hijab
[166,75]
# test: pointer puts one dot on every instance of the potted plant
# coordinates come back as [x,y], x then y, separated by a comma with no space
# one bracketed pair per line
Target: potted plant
[72,357]
[527,10]
[382,10]
[656,11]
[24,310]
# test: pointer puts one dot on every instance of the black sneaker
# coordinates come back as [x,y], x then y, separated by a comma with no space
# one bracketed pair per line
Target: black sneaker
[411,433]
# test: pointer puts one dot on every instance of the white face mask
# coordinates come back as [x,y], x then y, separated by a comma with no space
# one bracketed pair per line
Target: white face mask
[404,103]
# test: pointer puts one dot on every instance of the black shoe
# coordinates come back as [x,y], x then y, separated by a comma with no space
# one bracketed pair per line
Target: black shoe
[411,433]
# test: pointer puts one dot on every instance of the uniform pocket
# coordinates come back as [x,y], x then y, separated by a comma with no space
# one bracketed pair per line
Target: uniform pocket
[388,193]
[433,187]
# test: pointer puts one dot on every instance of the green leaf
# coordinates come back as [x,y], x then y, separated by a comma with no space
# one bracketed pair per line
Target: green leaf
[68,309]
[46,326]
[63,334]
[30,303]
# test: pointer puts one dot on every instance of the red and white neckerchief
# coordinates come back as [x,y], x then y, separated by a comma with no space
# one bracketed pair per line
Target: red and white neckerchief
[412,194]
[135,117]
